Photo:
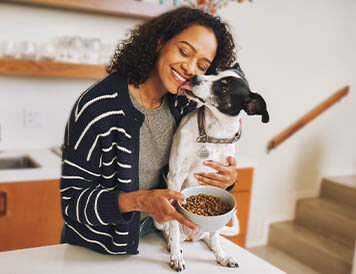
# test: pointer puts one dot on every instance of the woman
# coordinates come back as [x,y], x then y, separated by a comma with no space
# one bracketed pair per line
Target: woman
[119,133]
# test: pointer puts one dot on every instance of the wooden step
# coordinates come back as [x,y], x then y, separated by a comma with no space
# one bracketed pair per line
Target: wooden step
[340,189]
[332,219]
[319,252]
[281,260]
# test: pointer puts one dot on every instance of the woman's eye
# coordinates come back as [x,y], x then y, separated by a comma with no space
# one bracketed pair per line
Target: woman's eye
[184,53]
[202,68]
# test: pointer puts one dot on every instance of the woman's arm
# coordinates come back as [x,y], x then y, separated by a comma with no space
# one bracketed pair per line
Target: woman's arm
[84,199]
[88,197]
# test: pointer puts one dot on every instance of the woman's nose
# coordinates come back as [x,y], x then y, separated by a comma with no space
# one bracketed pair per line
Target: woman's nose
[189,67]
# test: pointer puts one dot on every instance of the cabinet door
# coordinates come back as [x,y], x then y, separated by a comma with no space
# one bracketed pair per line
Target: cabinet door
[244,180]
[243,207]
[33,214]
[242,194]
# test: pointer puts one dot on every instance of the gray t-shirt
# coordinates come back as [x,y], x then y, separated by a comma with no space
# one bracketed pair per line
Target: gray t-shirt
[155,143]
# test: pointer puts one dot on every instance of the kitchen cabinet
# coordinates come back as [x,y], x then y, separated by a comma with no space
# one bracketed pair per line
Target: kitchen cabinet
[30,214]
[242,194]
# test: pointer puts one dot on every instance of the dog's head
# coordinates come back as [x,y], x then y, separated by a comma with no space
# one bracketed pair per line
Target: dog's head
[227,91]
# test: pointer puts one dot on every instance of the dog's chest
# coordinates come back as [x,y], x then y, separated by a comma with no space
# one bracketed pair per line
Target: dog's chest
[192,154]
[211,151]
[215,152]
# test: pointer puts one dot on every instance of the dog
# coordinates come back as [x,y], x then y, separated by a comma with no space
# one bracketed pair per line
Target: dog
[208,132]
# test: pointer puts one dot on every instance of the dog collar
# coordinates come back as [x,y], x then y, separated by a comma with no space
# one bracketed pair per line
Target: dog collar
[204,138]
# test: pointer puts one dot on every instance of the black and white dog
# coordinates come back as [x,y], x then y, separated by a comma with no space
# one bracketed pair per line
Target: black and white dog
[209,132]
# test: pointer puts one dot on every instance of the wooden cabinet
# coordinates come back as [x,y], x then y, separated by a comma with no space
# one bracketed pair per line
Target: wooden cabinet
[242,194]
[30,214]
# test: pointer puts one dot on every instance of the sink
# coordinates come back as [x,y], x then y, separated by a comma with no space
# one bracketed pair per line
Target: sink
[18,162]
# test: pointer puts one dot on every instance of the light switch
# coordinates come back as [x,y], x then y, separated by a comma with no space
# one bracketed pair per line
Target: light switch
[32,118]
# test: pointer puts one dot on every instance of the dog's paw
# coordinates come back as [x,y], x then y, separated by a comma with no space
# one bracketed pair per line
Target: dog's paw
[228,261]
[169,248]
[177,262]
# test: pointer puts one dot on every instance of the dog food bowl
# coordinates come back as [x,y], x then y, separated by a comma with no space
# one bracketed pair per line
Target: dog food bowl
[209,223]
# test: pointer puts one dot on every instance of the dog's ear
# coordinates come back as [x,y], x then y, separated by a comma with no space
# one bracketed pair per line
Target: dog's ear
[237,67]
[256,105]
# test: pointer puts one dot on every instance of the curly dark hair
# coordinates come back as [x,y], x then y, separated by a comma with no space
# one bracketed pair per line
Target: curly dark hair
[135,57]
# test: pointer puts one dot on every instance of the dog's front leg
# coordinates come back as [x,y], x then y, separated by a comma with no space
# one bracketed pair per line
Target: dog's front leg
[176,259]
[213,241]
[174,182]
[179,163]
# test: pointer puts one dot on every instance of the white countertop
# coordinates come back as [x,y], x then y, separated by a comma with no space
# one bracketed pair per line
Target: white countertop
[50,166]
[152,259]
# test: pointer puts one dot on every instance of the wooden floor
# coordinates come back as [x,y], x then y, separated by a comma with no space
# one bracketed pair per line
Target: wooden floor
[281,260]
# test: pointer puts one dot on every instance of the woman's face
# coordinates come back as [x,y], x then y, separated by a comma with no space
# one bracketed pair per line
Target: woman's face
[187,54]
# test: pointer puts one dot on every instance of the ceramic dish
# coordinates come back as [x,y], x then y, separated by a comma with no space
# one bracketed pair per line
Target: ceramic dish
[209,223]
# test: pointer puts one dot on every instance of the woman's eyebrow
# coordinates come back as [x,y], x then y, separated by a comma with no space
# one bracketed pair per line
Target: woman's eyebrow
[194,49]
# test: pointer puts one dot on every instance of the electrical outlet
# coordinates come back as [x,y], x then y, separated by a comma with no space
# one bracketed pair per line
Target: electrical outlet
[32,118]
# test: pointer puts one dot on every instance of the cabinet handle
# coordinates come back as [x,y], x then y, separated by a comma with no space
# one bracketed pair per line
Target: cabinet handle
[3,196]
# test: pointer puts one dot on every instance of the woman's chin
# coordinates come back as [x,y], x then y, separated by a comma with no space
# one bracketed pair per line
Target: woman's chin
[173,89]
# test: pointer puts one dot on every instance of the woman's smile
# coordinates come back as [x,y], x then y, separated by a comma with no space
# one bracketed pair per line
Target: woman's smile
[180,79]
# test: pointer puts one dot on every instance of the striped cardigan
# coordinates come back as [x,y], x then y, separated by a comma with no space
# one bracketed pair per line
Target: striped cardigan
[100,161]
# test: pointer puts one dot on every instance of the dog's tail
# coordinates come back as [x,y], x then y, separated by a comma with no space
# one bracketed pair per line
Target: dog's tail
[232,230]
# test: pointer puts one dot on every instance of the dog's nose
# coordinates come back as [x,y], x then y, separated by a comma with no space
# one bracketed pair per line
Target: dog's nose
[196,80]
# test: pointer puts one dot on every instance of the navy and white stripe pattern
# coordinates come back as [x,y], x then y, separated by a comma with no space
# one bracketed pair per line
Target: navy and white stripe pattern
[100,161]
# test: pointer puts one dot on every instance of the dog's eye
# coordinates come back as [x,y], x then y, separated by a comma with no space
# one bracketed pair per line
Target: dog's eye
[223,81]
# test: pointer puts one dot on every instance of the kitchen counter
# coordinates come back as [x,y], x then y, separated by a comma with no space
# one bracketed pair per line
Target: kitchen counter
[49,162]
[152,259]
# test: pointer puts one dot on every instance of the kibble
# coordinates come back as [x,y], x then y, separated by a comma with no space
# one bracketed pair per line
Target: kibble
[206,205]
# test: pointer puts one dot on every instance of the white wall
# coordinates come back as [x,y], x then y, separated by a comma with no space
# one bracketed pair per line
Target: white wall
[295,53]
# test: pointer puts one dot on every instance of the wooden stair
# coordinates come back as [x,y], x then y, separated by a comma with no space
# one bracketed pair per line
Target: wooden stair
[322,236]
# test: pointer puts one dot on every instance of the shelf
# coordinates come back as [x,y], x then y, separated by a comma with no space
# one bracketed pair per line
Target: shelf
[50,69]
[127,8]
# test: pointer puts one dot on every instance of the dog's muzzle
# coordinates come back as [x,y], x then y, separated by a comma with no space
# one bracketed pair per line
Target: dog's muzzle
[189,93]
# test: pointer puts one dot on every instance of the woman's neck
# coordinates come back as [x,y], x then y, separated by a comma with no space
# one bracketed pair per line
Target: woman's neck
[149,94]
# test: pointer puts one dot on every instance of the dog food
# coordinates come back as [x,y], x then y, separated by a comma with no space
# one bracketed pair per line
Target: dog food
[206,205]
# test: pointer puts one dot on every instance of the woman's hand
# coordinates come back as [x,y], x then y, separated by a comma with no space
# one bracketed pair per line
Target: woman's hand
[156,203]
[225,176]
